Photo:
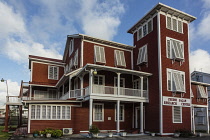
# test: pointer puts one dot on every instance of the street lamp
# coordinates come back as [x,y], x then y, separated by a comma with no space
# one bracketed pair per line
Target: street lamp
[2,80]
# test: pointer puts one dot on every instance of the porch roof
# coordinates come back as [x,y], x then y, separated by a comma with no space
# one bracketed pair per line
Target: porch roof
[113,69]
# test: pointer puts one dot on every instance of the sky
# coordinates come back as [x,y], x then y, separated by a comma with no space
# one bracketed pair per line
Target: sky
[40,27]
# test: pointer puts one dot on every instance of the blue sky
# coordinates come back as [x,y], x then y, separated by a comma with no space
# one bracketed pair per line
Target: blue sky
[40,28]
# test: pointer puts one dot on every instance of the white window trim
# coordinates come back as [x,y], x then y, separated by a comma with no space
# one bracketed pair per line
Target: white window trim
[123,113]
[202,92]
[142,26]
[174,114]
[41,105]
[76,58]
[54,78]
[103,76]
[120,79]
[71,46]
[120,61]
[94,112]
[100,53]
[177,19]
[145,56]
[181,42]
[175,71]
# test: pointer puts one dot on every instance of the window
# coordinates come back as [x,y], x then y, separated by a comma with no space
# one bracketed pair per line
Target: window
[202,92]
[121,115]
[45,95]
[71,46]
[76,59]
[98,112]
[175,24]
[142,57]
[67,68]
[70,64]
[122,82]
[120,58]
[53,72]
[98,81]
[177,114]
[50,112]
[175,80]
[99,54]
[145,29]
[175,49]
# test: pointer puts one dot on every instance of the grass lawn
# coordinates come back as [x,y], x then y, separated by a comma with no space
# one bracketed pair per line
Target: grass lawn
[4,135]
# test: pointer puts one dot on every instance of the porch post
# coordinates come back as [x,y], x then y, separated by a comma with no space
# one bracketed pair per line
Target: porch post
[90,81]
[141,78]
[90,112]
[20,115]
[30,92]
[141,118]
[6,119]
[118,83]
[81,85]
[118,116]
[207,119]
[69,86]
[193,122]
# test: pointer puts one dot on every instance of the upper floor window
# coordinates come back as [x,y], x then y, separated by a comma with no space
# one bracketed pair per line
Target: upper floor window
[76,59]
[53,72]
[120,58]
[175,80]
[202,92]
[174,24]
[175,49]
[71,46]
[99,54]
[142,57]
[145,29]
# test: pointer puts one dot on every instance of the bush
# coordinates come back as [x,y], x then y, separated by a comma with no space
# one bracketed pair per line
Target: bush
[57,133]
[94,129]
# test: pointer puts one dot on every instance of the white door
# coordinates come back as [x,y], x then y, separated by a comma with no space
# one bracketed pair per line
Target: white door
[98,84]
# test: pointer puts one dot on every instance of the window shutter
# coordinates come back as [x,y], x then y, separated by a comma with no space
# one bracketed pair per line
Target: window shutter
[97,54]
[67,68]
[180,26]
[122,57]
[169,81]
[168,48]
[201,92]
[145,54]
[55,73]
[169,22]
[177,114]
[139,56]
[145,30]
[176,82]
[140,33]
[149,26]
[102,52]
[50,72]
[76,58]
[174,24]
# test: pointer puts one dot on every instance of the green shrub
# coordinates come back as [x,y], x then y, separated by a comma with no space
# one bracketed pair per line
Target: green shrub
[94,129]
[57,133]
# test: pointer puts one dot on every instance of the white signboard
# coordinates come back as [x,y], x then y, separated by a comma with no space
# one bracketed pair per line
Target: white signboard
[173,101]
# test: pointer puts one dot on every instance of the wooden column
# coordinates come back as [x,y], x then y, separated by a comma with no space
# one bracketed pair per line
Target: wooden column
[6,121]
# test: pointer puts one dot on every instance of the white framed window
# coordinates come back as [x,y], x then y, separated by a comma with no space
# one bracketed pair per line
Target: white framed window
[177,114]
[98,112]
[98,84]
[142,56]
[173,23]
[122,82]
[99,54]
[121,115]
[145,29]
[71,46]
[50,112]
[175,49]
[70,64]
[53,72]
[202,93]
[76,59]
[120,58]
[175,80]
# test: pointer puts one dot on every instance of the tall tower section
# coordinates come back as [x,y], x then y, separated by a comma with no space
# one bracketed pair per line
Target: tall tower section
[161,40]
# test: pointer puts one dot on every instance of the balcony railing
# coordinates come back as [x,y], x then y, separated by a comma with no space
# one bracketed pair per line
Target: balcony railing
[13,100]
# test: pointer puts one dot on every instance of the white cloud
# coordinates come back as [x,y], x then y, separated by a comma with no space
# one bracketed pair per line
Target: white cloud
[101,19]
[199,60]
[13,90]
[206,3]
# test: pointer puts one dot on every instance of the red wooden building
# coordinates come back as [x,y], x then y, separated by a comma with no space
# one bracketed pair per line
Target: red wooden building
[145,87]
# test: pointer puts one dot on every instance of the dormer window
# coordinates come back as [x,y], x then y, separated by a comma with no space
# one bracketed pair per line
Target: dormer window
[120,58]
[53,72]
[142,57]
[175,49]
[202,92]
[175,24]
[71,46]
[99,54]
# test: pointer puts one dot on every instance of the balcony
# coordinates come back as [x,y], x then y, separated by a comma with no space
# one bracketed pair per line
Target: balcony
[13,100]
[101,92]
